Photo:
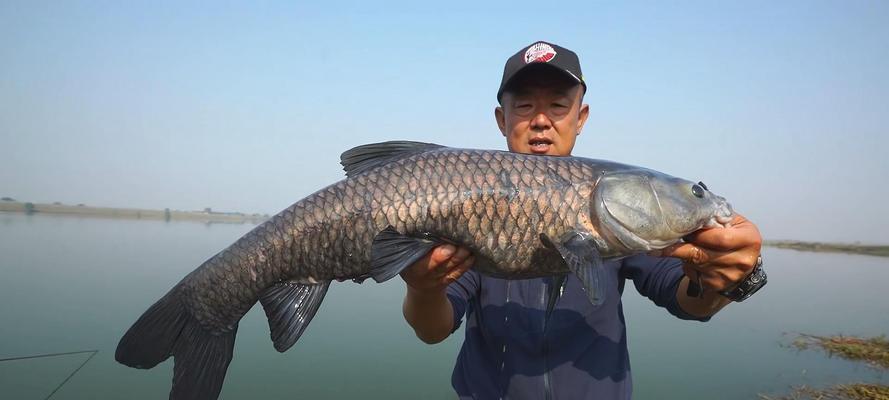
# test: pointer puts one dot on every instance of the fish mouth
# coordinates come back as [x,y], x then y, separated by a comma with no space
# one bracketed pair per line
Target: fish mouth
[723,216]
[540,145]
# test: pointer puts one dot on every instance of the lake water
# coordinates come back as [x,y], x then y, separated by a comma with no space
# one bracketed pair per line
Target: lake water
[69,284]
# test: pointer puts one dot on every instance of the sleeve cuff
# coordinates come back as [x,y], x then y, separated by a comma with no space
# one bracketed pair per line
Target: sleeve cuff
[674,308]
[459,306]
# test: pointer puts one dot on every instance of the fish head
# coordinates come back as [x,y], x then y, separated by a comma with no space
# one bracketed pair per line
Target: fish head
[641,210]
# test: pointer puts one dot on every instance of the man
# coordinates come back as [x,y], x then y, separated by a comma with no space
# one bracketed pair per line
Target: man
[512,348]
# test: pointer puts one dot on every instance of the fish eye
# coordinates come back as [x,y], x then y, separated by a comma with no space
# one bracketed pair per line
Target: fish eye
[703,185]
[697,190]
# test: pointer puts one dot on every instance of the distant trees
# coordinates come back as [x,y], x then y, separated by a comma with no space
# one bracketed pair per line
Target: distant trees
[7,199]
[167,214]
[29,208]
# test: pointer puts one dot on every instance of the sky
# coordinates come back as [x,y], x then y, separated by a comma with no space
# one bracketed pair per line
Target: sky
[781,107]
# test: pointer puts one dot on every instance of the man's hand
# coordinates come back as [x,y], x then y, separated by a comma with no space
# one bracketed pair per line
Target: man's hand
[722,256]
[426,306]
[434,272]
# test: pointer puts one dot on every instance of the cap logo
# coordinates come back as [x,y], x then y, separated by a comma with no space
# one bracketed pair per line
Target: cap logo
[539,52]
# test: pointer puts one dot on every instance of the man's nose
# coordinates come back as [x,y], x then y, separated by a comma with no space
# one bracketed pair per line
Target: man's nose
[541,122]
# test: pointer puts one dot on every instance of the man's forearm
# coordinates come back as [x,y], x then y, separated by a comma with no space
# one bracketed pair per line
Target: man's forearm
[429,313]
[710,303]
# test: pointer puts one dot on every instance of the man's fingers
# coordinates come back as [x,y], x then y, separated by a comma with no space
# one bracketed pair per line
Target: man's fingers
[440,255]
[714,278]
[718,257]
[742,233]
[696,256]
[439,258]
[445,258]
[442,265]
[689,253]
[458,270]
[460,256]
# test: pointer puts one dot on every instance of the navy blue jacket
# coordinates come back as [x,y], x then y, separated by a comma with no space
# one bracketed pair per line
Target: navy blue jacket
[512,352]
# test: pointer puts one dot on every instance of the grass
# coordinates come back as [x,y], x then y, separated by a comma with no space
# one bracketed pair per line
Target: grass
[854,391]
[874,351]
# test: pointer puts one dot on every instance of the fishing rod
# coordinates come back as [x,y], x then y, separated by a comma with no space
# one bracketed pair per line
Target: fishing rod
[92,353]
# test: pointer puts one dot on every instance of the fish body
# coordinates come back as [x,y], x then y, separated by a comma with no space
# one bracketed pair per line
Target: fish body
[522,216]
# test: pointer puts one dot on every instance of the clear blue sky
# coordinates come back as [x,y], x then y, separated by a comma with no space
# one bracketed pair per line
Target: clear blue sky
[783,107]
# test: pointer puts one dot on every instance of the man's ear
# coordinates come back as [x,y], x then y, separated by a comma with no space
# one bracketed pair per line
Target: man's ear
[582,116]
[501,119]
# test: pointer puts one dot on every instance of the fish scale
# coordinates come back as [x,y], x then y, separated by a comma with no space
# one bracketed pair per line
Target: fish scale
[521,216]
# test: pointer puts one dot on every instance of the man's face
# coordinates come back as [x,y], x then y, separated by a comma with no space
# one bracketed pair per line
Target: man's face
[542,113]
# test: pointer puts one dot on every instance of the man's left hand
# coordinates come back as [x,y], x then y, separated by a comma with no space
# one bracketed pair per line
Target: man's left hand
[722,256]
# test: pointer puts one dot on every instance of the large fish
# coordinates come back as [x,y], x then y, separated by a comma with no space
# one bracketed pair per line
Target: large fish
[523,216]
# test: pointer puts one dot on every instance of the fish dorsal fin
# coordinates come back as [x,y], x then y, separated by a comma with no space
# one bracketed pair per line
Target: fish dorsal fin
[582,257]
[366,157]
[290,307]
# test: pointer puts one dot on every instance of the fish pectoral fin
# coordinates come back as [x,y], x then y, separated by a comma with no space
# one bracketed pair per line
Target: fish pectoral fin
[290,306]
[392,252]
[583,259]
[369,156]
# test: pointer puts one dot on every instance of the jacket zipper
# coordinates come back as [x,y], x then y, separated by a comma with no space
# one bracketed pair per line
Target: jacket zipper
[547,389]
[503,352]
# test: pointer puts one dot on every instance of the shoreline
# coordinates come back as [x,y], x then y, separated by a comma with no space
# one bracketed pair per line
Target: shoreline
[81,210]
[209,216]
[820,247]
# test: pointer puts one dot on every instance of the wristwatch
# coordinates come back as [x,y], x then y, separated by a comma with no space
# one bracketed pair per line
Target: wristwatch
[755,281]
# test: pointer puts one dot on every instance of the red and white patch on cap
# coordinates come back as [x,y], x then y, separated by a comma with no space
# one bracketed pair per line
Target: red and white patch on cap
[539,52]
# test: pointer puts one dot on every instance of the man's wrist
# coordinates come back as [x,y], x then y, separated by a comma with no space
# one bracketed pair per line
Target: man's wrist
[702,306]
[426,294]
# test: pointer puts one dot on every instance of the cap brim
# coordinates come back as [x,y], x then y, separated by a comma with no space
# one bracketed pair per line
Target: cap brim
[532,67]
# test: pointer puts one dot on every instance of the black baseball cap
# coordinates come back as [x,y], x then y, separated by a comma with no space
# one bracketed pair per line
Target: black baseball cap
[541,53]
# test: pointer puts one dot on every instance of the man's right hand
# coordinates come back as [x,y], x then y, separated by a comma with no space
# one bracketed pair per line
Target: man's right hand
[441,266]
[426,306]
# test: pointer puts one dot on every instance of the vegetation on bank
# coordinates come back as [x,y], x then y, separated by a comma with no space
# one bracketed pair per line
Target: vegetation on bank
[873,351]
[849,248]
[854,391]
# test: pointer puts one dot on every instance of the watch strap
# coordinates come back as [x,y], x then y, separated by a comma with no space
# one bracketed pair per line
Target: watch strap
[750,285]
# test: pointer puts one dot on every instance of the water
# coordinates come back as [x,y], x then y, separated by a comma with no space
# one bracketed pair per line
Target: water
[71,284]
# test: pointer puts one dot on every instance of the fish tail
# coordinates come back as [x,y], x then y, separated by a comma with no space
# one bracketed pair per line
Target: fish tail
[167,329]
